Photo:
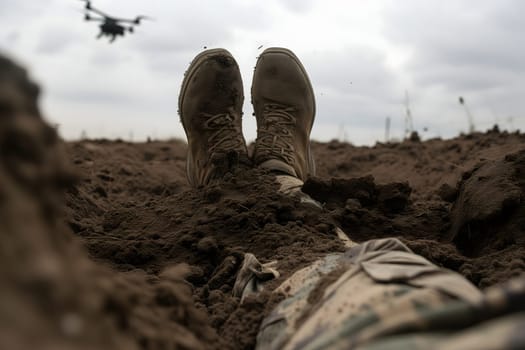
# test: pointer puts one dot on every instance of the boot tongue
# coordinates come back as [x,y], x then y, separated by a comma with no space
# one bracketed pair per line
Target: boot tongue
[278,166]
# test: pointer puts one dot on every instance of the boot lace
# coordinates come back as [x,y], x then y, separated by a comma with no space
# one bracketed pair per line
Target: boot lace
[275,136]
[225,135]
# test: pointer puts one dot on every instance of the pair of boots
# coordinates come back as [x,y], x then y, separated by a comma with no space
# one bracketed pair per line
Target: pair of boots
[210,106]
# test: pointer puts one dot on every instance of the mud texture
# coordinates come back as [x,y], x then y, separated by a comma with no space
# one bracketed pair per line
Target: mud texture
[104,245]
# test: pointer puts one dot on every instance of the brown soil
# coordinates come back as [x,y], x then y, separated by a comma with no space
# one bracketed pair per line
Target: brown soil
[457,202]
[145,262]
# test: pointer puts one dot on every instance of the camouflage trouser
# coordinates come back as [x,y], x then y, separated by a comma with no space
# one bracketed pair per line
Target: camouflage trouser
[380,295]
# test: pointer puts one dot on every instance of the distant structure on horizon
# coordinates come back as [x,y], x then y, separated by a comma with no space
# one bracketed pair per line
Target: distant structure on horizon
[387,129]
[469,115]
[409,123]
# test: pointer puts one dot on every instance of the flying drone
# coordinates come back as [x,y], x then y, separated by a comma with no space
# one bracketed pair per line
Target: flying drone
[111,26]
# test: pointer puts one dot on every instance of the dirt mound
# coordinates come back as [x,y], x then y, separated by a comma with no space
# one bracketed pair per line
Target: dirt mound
[210,229]
[489,199]
[52,295]
[426,166]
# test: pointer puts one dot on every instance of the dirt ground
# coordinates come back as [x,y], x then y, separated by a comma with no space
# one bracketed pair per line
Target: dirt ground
[103,245]
[457,202]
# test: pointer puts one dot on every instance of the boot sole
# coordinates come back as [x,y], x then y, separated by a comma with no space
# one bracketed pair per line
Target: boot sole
[194,65]
[289,53]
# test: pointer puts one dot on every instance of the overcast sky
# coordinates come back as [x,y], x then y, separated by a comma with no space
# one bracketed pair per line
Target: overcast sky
[361,57]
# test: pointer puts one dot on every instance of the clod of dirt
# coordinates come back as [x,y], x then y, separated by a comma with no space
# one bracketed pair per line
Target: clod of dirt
[208,245]
[447,193]
[394,197]
[335,192]
[489,196]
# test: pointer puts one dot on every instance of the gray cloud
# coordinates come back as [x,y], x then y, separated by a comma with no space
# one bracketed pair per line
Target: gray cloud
[356,70]
[475,44]
[106,59]
[182,30]
[297,5]
[466,78]
[87,96]
[54,40]
[14,10]
[353,86]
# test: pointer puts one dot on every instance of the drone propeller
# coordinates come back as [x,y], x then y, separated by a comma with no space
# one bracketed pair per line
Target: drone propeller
[140,18]
[135,21]
[94,10]
[89,17]
[88,4]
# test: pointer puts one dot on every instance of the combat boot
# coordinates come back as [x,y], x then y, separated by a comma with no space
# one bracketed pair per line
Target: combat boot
[284,106]
[210,107]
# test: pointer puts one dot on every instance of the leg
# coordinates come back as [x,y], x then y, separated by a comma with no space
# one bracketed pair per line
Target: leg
[376,289]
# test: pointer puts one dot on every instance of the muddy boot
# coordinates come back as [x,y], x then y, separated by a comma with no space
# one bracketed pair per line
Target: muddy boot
[210,107]
[284,105]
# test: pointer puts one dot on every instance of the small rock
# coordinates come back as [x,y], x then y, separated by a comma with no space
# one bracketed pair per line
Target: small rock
[105,177]
[447,193]
[100,191]
[207,245]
